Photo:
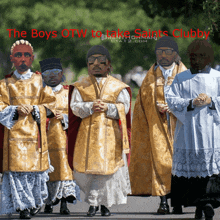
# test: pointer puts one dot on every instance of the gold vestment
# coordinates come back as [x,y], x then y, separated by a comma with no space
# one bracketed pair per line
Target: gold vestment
[21,152]
[99,143]
[57,141]
[152,137]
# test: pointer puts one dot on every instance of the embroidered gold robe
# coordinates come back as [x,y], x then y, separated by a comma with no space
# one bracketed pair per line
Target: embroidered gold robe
[99,143]
[20,147]
[152,137]
[57,141]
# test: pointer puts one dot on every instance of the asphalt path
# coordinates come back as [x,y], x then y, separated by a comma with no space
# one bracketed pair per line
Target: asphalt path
[136,208]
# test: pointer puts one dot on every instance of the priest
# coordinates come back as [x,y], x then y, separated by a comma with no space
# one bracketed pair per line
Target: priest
[101,120]
[23,109]
[153,127]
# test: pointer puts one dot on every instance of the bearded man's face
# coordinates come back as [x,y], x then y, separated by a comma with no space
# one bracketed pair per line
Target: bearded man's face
[166,56]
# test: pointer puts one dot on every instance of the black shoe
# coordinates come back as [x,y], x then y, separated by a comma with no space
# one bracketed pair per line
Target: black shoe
[92,211]
[34,211]
[63,207]
[25,214]
[105,211]
[163,209]
[48,209]
[64,210]
[209,212]
[198,212]
[177,210]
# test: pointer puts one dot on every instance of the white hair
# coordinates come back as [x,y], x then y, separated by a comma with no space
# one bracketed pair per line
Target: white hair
[19,42]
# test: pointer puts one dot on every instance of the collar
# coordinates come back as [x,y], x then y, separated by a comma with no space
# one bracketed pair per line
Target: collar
[170,69]
[23,76]
[167,72]
[100,78]
[207,69]
[57,88]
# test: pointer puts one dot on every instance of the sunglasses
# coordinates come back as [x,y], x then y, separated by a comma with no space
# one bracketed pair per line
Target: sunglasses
[54,71]
[167,51]
[100,59]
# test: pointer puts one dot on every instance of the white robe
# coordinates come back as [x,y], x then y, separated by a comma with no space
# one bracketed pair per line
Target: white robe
[103,189]
[197,134]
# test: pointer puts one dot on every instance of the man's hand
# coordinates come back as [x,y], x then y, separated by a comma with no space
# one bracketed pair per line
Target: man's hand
[25,109]
[59,115]
[99,106]
[163,107]
[202,99]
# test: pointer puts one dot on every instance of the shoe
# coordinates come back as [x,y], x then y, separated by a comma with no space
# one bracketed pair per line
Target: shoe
[177,210]
[105,211]
[34,211]
[64,210]
[209,212]
[48,209]
[198,212]
[63,207]
[25,214]
[92,211]
[163,209]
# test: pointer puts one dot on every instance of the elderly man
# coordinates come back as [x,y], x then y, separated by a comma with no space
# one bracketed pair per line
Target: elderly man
[102,106]
[23,105]
[61,186]
[194,98]
[153,127]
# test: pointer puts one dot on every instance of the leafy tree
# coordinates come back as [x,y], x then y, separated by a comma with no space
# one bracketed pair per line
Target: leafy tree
[54,15]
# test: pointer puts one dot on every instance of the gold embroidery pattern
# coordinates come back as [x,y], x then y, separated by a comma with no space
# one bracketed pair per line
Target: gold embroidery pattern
[98,148]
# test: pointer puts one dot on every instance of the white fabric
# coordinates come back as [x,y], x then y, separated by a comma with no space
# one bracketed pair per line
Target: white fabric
[23,76]
[197,134]
[57,88]
[62,189]
[84,109]
[167,73]
[105,190]
[65,121]
[23,190]
[7,115]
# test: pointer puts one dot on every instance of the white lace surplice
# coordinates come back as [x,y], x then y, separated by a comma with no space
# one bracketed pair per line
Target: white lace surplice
[62,189]
[103,189]
[23,190]
[197,134]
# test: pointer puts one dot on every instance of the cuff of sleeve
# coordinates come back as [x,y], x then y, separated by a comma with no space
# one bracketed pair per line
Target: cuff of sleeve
[90,108]
[190,107]
[212,105]
[112,111]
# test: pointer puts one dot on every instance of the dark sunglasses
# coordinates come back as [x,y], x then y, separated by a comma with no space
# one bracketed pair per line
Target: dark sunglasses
[100,59]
